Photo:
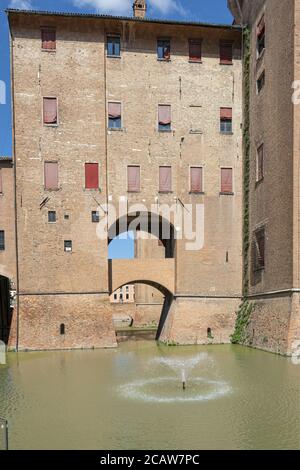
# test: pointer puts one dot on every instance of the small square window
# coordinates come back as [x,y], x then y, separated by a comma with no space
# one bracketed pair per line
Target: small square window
[51,216]
[66,217]
[2,240]
[163,49]
[95,217]
[113,46]
[68,245]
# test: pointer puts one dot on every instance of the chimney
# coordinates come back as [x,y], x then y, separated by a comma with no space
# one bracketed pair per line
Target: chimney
[139,9]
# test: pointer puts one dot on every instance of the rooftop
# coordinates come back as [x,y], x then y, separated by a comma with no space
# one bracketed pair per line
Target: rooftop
[123,18]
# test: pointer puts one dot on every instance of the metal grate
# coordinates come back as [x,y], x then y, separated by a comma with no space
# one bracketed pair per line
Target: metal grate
[3,434]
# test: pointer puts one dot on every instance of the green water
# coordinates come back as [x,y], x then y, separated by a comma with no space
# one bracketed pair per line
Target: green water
[132,398]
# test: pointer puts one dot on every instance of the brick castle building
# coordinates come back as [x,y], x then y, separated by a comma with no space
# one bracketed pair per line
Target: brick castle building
[146,111]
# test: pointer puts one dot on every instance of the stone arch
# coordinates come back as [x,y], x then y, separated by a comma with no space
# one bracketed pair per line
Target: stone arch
[149,222]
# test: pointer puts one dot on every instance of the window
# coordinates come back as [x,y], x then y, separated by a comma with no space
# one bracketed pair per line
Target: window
[68,245]
[226,49]
[48,39]
[113,46]
[195,54]
[115,296]
[164,117]
[259,250]
[226,181]
[66,217]
[1,182]
[163,49]
[226,120]
[127,288]
[165,179]
[261,36]
[50,111]
[260,163]
[114,116]
[133,178]
[62,329]
[260,82]
[51,176]
[196,179]
[51,216]
[127,296]
[95,217]
[91,176]
[121,297]
[2,240]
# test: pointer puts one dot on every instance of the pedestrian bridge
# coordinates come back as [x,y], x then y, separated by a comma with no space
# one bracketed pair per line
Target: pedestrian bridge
[159,273]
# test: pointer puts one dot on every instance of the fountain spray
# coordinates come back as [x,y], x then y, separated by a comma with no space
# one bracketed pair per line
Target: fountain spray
[183,379]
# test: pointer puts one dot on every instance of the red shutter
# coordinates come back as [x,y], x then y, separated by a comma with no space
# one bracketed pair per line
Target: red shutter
[51,175]
[226,114]
[260,30]
[48,39]
[226,53]
[114,110]
[226,180]
[196,179]
[50,110]
[133,178]
[164,114]
[91,176]
[195,50]
[165,179]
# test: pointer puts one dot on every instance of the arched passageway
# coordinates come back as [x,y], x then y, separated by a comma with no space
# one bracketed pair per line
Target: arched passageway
[5,309]
[146,222]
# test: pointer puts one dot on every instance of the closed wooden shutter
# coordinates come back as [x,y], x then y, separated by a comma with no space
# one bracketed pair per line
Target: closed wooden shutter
[48,39]
[50,110]
[195,50]
[165,179]
[51,175]
[133,178]
[226,114]
[226,180]
[225,53]
[196,179]
[91,176]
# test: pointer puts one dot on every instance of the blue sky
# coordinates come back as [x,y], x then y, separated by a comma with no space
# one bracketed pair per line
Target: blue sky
[214,11]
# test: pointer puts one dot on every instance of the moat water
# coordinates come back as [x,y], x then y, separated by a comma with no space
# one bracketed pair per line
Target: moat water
[132,398]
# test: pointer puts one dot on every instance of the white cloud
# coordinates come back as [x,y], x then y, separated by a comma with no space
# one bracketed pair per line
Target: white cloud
[125,6]
[21,4]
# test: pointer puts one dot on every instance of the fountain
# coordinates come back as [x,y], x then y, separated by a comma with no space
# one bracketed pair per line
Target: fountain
[165,389]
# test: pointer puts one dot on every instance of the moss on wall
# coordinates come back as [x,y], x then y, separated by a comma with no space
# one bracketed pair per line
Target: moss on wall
[242,321]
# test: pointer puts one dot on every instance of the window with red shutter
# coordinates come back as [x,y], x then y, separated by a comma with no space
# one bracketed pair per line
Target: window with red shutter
[226,52]
[164,117]
[91,176]
[226,120]
[51,175]
[50,111]
[48,39]
[195,54]
[226,181]
[133,178]
[165,179]
[196,179]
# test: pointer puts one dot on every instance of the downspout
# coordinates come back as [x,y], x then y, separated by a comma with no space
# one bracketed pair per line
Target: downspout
[15,181]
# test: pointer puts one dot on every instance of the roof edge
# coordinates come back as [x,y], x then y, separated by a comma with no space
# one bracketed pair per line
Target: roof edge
[124,18]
